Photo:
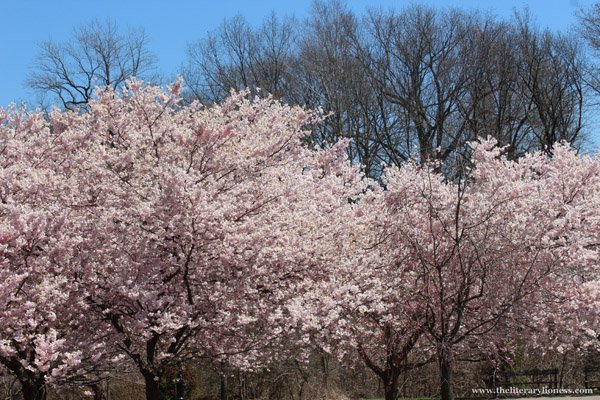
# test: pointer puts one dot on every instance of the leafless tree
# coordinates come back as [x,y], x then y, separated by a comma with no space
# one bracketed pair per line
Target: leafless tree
[493,104]
[415,58]
[235,56]
[589,25]
[552,73]
[329,76]
[456,76]
[411,85]
[589,29]
[98,54]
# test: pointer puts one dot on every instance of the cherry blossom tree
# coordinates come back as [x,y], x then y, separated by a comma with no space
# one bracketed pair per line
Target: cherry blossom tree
[199,222]
[448,269]
[362,307]
[44,337]
[496,249]
[570,319]
[181,230]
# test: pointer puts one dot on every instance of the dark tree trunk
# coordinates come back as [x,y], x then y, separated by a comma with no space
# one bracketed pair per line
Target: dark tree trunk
[152,387]
[325,371]
[390,384]
[223,389]
[34,390]
[445,363]
[98,392]
[389,375]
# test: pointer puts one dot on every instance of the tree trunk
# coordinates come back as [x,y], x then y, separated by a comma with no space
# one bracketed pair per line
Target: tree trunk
[223,389]
[34,390]
[445,363]
[389,376]
[97,391]
[152,387]
[325,371]
[390,385]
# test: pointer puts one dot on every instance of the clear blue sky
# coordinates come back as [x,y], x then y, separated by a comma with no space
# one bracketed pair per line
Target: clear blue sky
[171,24]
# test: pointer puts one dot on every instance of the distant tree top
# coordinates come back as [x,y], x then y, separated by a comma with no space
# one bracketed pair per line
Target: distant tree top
[98,54]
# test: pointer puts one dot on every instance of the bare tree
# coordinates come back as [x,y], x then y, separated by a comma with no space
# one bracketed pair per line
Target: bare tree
[236,56]
[589,29]
[452,77]
[313,66]
[415,57]
[329,76]
[411,85]
[493,104]
[552,72]
[99,54]
[589,25]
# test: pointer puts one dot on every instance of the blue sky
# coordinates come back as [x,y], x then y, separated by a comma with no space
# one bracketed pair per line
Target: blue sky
[172,24]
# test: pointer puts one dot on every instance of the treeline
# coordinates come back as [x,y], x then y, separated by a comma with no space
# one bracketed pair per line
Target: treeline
[410,85]
[413,84]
